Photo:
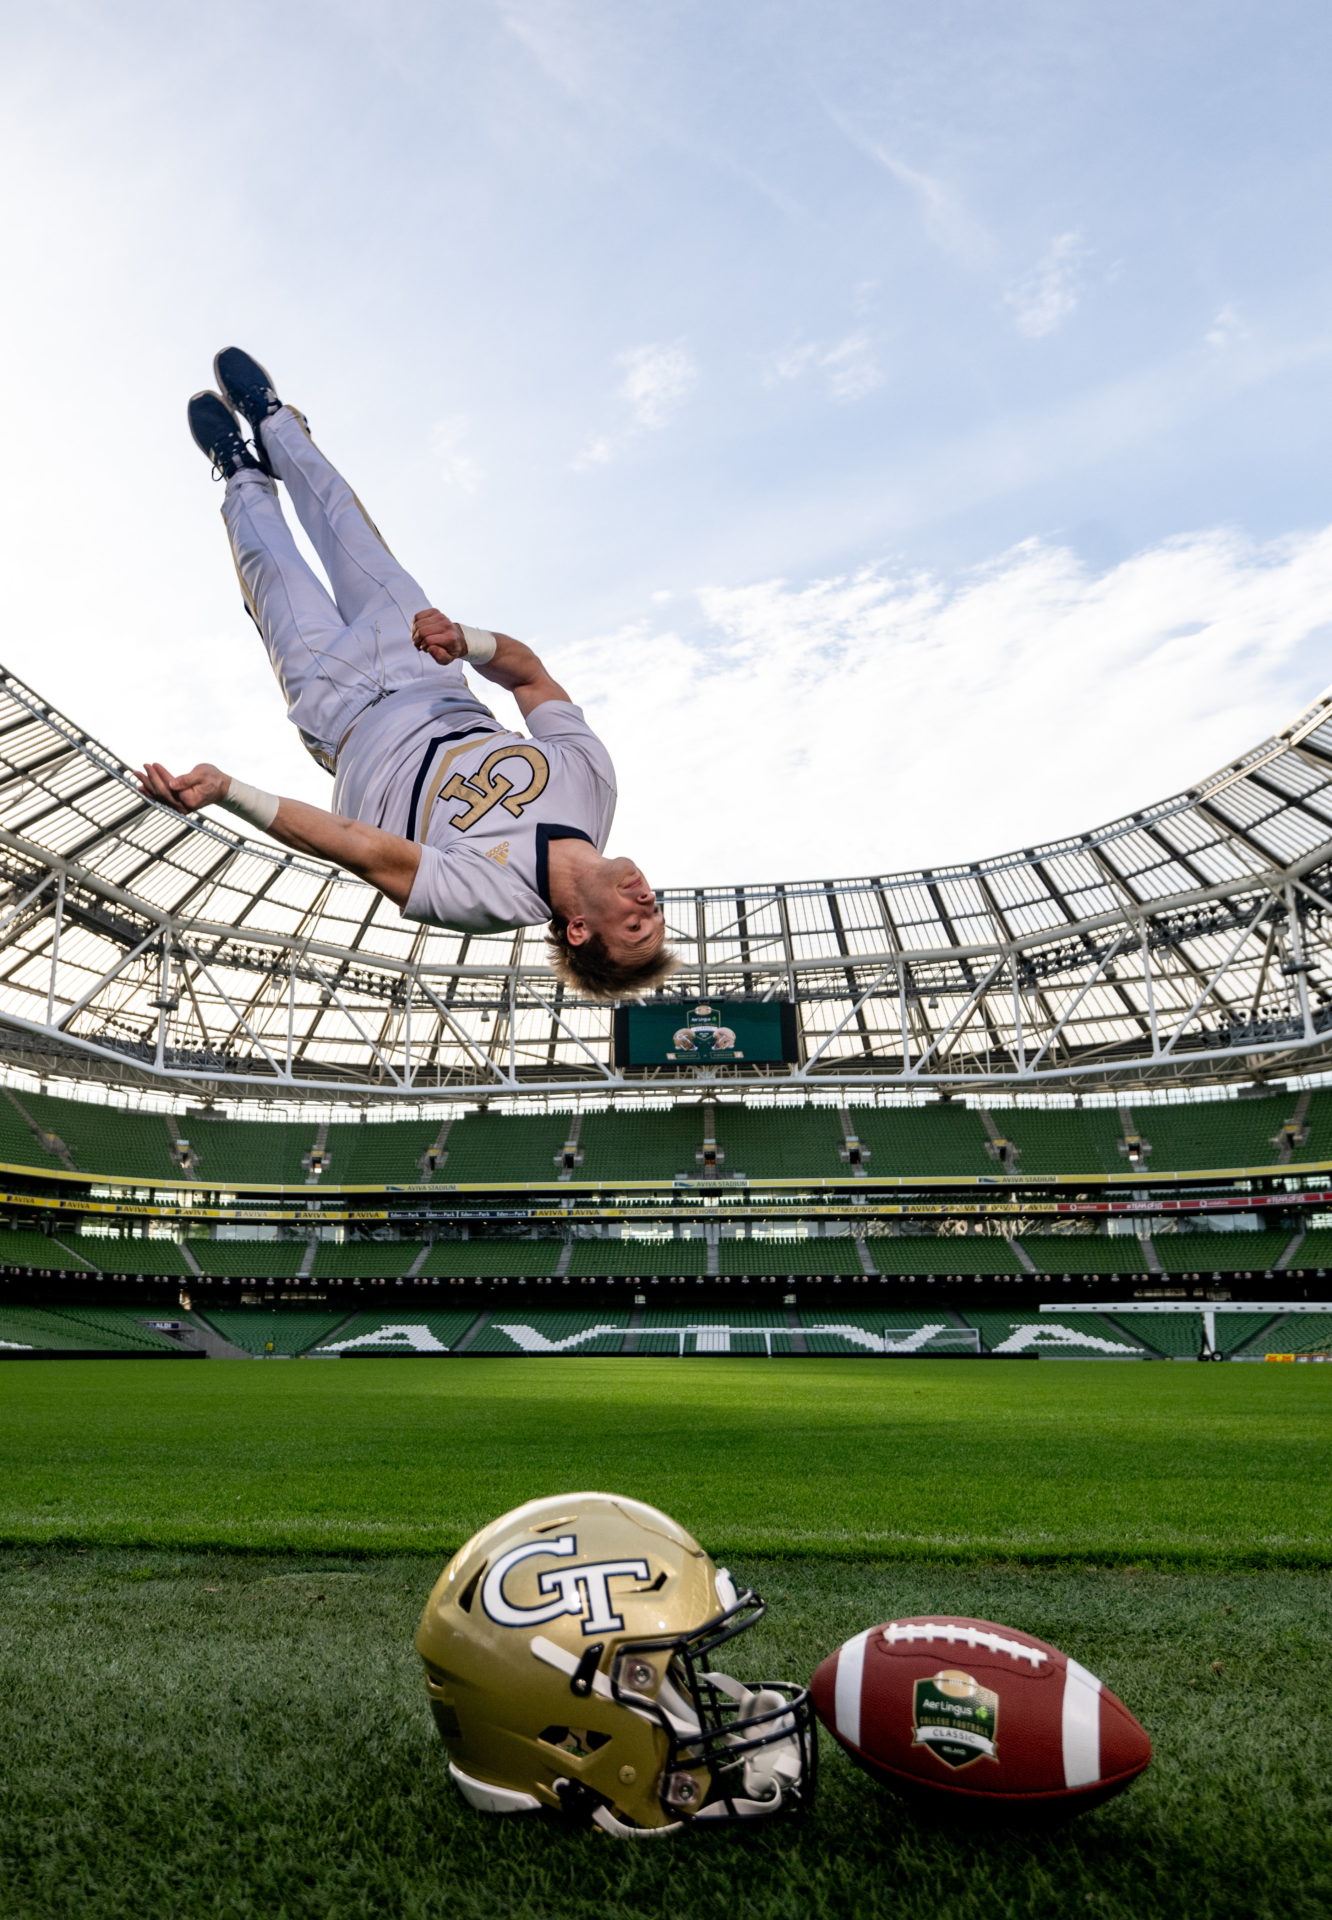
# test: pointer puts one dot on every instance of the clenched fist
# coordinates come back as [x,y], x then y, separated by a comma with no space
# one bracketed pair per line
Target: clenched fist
[434,633]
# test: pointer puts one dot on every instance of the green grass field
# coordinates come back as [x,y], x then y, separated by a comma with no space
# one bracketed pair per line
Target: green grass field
[1038,1463]
[210,1707]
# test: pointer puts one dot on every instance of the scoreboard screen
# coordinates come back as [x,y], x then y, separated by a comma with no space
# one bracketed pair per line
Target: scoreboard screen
[706,1033]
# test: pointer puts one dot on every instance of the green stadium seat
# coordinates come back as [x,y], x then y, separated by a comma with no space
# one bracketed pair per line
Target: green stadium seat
[364,1259]
[943,1253]
[1064,1139]
[651,1143]
[871,1332]
[1073,1334]
[24,1247]
[250,1152]
[291,1330]
[818,1253]
[1219,1252]
[624,1259]
[491,1259]
[250,1259]
[552,1333]
[378,1152]
[1212,1133]
[407,1332]
[91,1329]
[1085,1252]
[503,1148]
[938,1139]
[780,1143]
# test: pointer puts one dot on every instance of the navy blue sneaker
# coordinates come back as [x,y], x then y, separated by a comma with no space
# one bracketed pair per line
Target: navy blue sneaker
[217,433]
[246,386]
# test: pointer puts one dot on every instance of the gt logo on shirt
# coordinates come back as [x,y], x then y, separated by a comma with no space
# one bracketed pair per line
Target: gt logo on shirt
[488,788]
[584,1589]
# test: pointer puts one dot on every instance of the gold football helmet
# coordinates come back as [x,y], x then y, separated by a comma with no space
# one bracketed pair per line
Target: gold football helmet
[568,1652]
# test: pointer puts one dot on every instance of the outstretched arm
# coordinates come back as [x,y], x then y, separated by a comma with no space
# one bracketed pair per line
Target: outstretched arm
[386,860]
[513,666]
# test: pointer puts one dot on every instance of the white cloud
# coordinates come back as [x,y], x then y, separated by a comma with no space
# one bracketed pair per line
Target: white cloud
[1043,299]
[882,720]
[944,213]
[850,366]
[1227,330]
[657,381]
[453,463]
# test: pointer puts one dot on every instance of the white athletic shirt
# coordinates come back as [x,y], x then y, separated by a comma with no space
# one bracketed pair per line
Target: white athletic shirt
[484,801]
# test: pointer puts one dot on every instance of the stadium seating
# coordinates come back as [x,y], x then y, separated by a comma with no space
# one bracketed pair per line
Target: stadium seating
[1306,1332]
[943,1253]
[502,1147]
[1315,1250]
[652,1143]
[768,1142]
[19,1145]
[1177,1336]
[1085,1252]
[107,1139]
[250,1152]
[24,1247]
[739,1330]
[938,1139]
[1078,1335]
[819,1253]
[87,1328]
[552,1333]
[378,1152]
[1213,1133]
[291,1330]
[132,1253]
[406,1332]
[623,1259]
[1219,1252]
[490,1259]
[836,1332]
[1064,1139]
[250,1259]
[780,1143]
[1287,1333]
[364,1259]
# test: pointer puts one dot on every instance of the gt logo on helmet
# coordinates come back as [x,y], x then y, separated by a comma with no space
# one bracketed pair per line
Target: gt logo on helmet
[584,1589]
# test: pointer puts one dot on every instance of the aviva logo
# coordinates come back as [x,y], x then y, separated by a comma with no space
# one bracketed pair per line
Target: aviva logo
[577,1590]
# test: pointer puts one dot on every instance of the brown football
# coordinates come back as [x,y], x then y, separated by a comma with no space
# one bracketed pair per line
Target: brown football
[968,1711]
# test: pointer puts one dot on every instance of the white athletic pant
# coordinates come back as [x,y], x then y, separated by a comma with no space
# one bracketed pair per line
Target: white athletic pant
[334,654]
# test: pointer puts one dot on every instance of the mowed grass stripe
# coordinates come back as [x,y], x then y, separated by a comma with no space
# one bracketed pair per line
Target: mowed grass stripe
[203,1736]
[940,1460]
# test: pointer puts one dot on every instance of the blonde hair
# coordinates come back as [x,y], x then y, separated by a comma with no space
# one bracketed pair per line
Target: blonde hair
[591,969]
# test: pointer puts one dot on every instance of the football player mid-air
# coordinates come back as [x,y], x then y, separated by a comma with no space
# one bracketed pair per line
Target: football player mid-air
[461,821]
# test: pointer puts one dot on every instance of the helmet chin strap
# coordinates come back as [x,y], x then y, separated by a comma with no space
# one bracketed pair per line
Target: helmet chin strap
[769,1769]
[603,1817]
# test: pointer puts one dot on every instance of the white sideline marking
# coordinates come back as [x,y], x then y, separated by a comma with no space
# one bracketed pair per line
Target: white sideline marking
[1082,1727]
[846,1692]
[908,1631]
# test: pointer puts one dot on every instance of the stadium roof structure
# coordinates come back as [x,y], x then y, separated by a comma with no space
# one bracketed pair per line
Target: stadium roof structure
[1191,940]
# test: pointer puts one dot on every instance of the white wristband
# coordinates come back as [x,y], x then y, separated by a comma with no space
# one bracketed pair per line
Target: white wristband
[251,803]
[480,644]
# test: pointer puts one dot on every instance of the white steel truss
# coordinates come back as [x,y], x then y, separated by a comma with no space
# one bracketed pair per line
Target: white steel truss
[1191,940]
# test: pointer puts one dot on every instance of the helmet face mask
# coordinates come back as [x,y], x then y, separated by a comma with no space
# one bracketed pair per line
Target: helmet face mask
[567,1651]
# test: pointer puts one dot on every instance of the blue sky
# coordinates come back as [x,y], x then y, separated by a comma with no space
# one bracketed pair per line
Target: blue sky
[905,428]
